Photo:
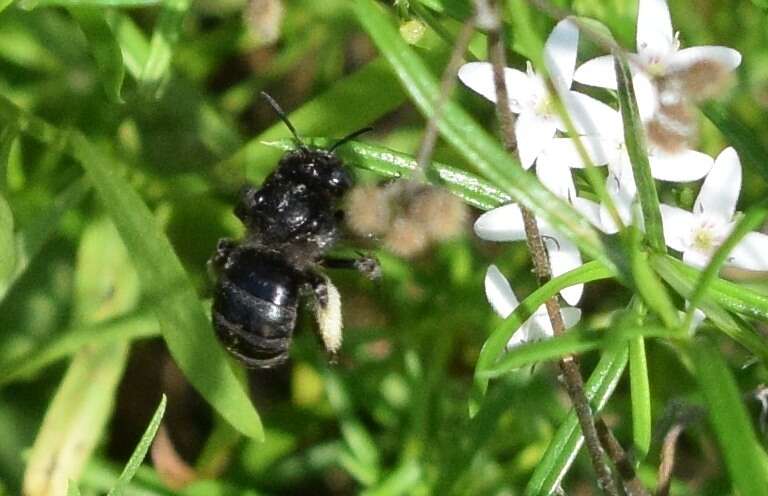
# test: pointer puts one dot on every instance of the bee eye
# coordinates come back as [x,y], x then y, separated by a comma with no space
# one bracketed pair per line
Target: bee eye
[339,180]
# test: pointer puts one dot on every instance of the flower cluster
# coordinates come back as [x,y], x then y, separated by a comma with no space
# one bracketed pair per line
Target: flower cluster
[667,81]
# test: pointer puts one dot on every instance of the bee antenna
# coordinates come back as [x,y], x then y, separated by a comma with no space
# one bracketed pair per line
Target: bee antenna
[350,137]
[281,114]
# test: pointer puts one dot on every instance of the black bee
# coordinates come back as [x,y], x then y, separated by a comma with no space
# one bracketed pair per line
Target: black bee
[291,221]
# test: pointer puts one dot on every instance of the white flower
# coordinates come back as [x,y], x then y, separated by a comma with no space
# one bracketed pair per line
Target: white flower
[503,300]
[538,121]
[505,223]
[658,55]
[699,233]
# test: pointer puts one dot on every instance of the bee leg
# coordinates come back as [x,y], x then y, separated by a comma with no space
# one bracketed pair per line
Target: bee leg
[219,259]
[327,311]
[368,265]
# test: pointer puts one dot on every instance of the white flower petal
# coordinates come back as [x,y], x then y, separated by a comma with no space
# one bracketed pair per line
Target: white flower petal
[678,224]
[646,94]
[564,256]
[696,258]
[504,223]
[655,39]
[519,337]
[560,53]
[590,210]
[751,253]
[533,134]
[499,292]
[597,72]
[720,191]
[478,76]
[591,116]
[563,150]
[557,178]
[540,326]
[680,167]
[620,186]
[724,56]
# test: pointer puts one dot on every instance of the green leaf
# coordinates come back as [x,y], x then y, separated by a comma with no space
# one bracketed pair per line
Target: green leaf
[156,70]
[741,449]
[683,279]
[648,284]
[641,397]
[32,236]
[729,295]
[104,47]
[390,163]
[33,4]
[469,139]
[137,457]
[634,139]
[185,327]
[575,341]
[75,419]
[567,441]
[7,241]
[403,480]
[66,343]
[752,220]
[496,343]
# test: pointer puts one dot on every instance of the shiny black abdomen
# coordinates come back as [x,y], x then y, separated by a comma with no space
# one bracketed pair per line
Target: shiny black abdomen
[254,307]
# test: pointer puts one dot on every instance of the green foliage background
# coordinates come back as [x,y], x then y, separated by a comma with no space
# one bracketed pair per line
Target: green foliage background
[127,128]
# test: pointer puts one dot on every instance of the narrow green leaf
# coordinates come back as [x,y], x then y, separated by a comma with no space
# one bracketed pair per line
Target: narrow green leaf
[104,47]
[185,327]
[641,397]
[752,220]
[164,38]
[476,145]
[4,4]
[7,138]
[496,343]
[729,295]
[741,448]
[648,284]
[75,419]
[66,343]
[31,237]
[7,241]
[133,45]
[137,457]
[564,447]
[634,139]
[404,480]
[683,280]
[390,163]
[575,341]
[33,4]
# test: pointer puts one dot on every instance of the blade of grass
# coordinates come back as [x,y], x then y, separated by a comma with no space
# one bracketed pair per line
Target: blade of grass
[31,238]
[390,163]
[33,4]
[7,138]
[575,341]
[741,449]
[134,326]
[403,480]
[480,149]
[634,139]
[137,457]
[104,48]
[496,343]
[682,280]
[565,445]
[752,220]
[75,419]
[7,241]
[648,284]
[640,390]
[156,70]
[185,327]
